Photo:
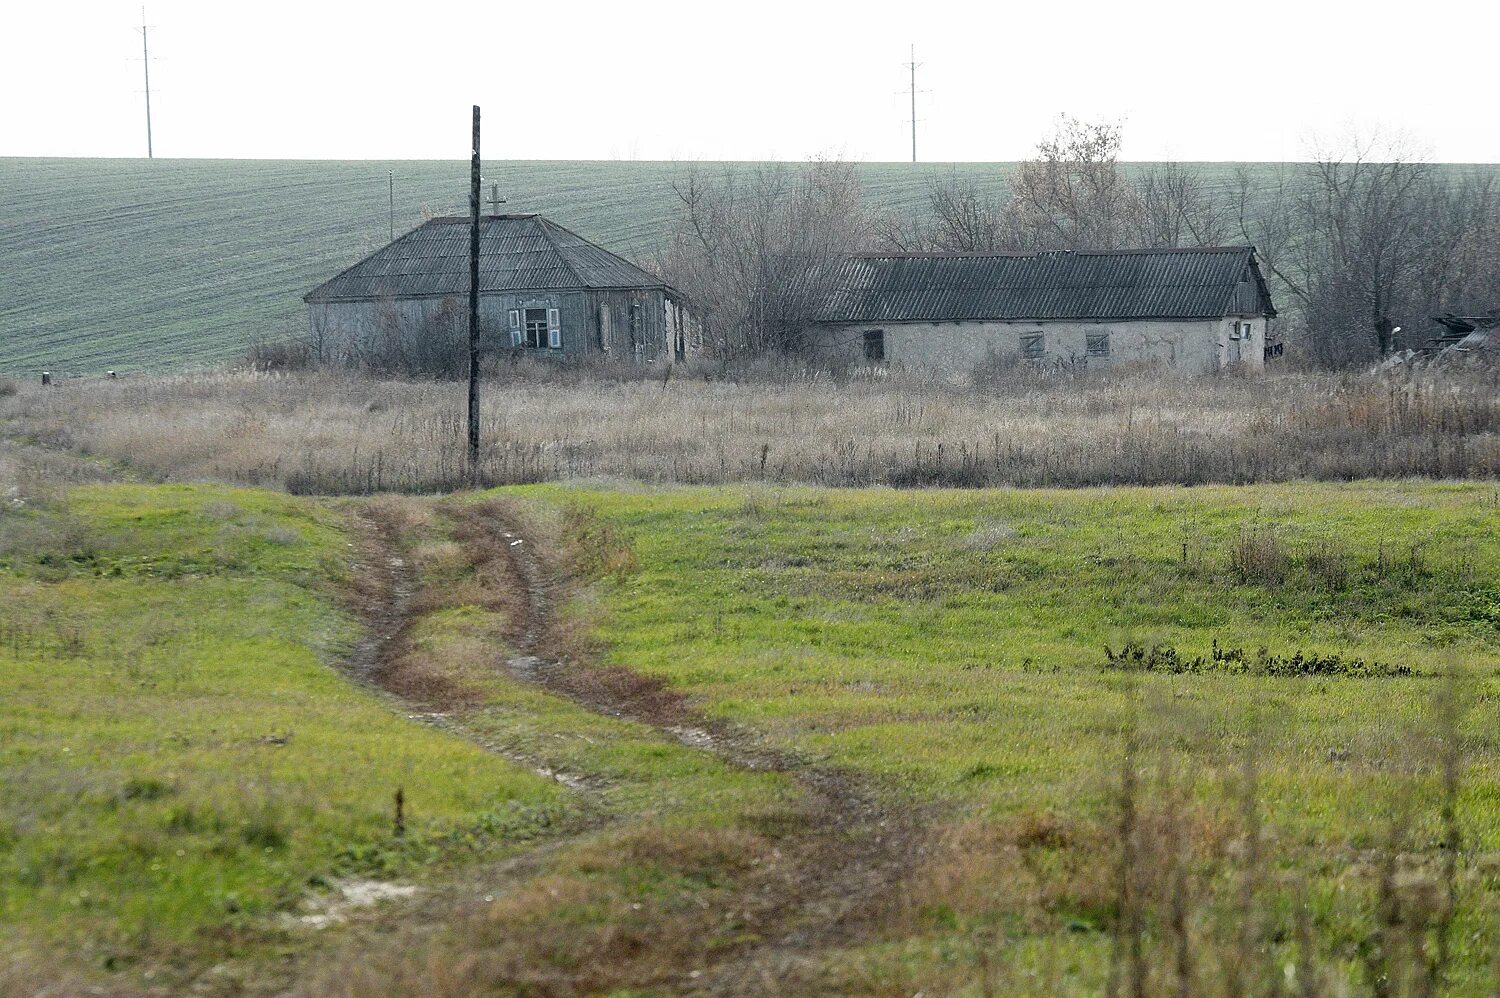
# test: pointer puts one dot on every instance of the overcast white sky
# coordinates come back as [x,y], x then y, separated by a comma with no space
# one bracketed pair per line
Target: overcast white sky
[745,80]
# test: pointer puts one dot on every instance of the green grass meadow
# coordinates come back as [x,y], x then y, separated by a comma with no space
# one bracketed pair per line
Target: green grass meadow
[953,640]
[184,765]
[951,644]
[182,762]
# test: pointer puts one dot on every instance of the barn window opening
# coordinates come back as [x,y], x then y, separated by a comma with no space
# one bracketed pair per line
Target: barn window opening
[536,328]
[874,344]
[1033,346]
[1098,344]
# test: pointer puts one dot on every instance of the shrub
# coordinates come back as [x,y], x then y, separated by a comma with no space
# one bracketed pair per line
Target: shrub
[1407,569]
[1328,563]
[1259,556]
[8,387]
[1136,657]
[279,355]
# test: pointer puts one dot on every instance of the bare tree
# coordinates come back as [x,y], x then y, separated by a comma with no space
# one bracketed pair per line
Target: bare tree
[1266,218]
[958,216]
[1175,207]
[756,251]
[1460,269]
[1074,195]
[966,219]
[903,233]
[1369,241]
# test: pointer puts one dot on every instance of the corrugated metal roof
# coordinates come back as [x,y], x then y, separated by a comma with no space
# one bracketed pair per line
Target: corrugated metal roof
[1083,285]
[516,253]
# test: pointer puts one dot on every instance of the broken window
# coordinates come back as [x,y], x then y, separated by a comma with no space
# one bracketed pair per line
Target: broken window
[1098,344]
[1033,346]
[874,344]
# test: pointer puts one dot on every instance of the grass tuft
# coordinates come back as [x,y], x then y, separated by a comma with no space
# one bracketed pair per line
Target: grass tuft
[1259,557]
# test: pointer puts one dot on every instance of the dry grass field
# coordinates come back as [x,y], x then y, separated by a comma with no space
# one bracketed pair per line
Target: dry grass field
[342,433]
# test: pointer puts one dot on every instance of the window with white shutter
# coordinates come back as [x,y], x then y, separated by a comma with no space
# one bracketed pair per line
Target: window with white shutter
[536,329]
[515,327]
[554,329]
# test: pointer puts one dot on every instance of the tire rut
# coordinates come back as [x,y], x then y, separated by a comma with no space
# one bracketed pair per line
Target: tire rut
[387,615]
[857,849]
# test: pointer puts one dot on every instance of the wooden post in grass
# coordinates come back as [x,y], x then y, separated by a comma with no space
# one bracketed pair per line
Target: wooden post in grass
[400,813]
[474,305]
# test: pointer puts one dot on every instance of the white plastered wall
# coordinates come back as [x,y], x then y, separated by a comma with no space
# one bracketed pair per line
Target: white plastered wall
[1199,346]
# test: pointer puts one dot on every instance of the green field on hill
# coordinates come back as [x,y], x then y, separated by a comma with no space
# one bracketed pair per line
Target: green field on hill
[170,264]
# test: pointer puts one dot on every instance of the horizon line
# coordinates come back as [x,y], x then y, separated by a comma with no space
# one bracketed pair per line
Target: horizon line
[689,162]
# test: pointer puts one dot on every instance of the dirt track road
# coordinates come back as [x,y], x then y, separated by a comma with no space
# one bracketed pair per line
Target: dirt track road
[852,848]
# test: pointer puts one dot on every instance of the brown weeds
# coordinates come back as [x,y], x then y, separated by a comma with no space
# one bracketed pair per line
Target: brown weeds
[333,432]
[1259,557]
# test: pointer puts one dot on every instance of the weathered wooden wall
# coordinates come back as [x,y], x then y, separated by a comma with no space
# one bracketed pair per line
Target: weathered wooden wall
[622,324]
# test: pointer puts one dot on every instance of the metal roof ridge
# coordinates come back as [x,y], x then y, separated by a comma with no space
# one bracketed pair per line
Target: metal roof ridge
[466,219]
[546,225]
[1022,254]
[550,224]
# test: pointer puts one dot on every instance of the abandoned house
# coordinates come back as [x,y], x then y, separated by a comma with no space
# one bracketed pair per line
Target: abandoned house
[1196,310]
[542,290]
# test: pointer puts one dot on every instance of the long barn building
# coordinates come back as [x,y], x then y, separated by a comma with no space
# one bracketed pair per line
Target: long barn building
[1195,310]
[542,289]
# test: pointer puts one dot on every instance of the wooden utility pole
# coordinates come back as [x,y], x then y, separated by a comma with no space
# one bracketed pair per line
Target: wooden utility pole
[474,304]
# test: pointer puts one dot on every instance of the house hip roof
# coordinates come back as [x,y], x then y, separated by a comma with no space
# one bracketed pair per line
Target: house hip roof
[1083,285]
[516,253]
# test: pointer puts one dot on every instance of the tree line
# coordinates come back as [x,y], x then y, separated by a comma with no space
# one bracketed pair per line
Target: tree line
[1361,245]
